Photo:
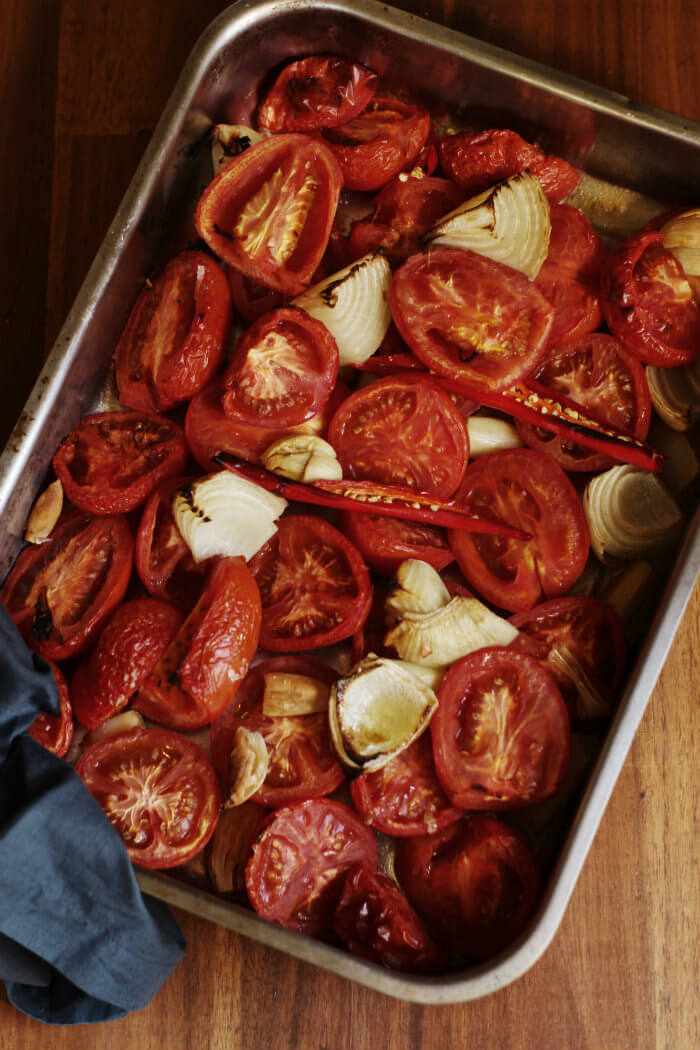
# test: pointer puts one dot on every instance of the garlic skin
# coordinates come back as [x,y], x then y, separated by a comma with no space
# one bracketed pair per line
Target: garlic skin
[302,457]
[377,711]
[418,588]
[682,240]
[225,514]
[675,394]
[508,223]
[250,761]
[488,434]
[354,306]
[438,639]
[630,514]
[228,141]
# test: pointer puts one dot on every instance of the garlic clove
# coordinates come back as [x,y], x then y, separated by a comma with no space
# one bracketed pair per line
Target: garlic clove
[228,140]
[302,457]
[230,846]
[438,639]
[45,513]
[417,588]
[287,695]
[488,434]
[124,722]
[250,761]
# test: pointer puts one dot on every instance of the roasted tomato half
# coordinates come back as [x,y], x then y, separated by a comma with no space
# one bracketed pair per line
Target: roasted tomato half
[60,593]
[475,883]
[574,245]
[576,305]
[314,585]
[269,212]
[112,461]
[162,559]
[385,542]
[321,91]
[55,732]
[158,789]
[501,735]
[176,335]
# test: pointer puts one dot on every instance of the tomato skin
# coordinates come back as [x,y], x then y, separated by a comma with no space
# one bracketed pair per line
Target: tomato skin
[576,305]
[158,789]
[501,734]
[477,161]
[574,245]
[435,299]
[384,139]
[289,352]
[112,461]
[60,593]
[251,299]
[162,559]
[314,585]
[201,669]
[405,797]
[55,732]
[321,91]
[302,758]
[376,922]
[176,335]
[588,629]
[524,488]
[296,872]
[475,883]
[401,430]
[132,642]
[648,303]
[270,211]
[385,542]
[609,383]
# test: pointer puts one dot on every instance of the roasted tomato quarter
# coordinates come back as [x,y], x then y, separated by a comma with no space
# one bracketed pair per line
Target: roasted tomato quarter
[321,91]
[296,873]
[501,735]
[55,732]
[176,335]
[162,559]
[269,212]
[314,585]
[60,593]
[112,461]
[201,669]
[158,789]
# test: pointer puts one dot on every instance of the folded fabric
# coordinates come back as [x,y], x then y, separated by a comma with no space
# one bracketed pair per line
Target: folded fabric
[78,942]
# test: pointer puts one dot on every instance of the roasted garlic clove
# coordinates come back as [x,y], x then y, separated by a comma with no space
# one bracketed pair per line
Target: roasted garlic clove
[45,513]
[124,722]
[417,588]
[303,457]
[439,638]
[228,140]
[630,513]
[287,695]
[229,849]
[250,761]
[488,434]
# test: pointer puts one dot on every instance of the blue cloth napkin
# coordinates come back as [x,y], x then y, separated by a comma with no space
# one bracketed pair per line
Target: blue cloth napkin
[78,942]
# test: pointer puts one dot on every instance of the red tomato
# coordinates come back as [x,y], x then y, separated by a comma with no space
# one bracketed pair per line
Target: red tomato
[130,645]
[314,586]
[303,763]
[475,883]
[282,371]
[477,161]
[369,638]
[610,385]
[385,542]
[176,335]
[470,319]
[576,305]
[158,789]
[376,922]
[402,430]
[587,633]
[162,559]
[55,732]
[379,143]
[60,593]
[296,872]
[112,461]
[574,245]
[501,735]
[649,304]
[321,91]
[405,797]
[527,489]
[251,299]
[200,671]
[269,212]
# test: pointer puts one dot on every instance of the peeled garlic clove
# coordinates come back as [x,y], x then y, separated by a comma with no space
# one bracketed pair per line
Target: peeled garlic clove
[630,513]
[430,676]
[250,761]
[682,240]
[354,306]
[303,457]
[675,394]
[45,513]
[508,223]
[487,434]
[229,849]
[225,514]
[377,711]
[287,695]
[124,722]
[418,588]
[438,639]
[228,140]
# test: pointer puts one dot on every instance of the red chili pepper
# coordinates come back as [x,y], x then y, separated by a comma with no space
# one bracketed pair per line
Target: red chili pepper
[367,496]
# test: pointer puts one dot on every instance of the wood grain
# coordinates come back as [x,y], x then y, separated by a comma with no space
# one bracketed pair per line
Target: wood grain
[83,84]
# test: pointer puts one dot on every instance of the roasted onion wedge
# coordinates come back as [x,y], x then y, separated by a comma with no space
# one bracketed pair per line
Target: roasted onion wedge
[354,306]
[438,639]
[228,140]
[377,711]
[682,240]
[630,514]
[675,394]
[508,223]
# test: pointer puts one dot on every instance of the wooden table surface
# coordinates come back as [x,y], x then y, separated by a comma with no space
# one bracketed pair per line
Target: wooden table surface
[83,83]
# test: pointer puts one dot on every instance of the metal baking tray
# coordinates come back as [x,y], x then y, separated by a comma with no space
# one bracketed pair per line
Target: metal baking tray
[602,132]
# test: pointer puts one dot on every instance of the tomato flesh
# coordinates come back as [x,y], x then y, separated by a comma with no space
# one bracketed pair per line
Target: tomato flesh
[385,542]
